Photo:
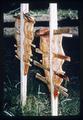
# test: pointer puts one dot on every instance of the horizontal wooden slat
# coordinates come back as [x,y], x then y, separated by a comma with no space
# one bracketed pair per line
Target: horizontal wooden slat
[9,31]
[62,30]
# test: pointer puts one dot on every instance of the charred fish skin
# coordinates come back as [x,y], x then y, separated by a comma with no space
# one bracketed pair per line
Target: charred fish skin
[58,59]
[29,22]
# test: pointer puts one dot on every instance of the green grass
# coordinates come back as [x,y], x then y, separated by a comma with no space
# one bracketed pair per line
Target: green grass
[70,106]
[40,105]
[37,106]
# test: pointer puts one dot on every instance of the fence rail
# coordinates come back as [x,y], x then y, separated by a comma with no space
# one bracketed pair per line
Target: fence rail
[9,21]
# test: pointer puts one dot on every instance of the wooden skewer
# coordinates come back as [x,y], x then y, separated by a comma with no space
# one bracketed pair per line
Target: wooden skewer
[40,60]
[67,58]
[43,67]
[64,93]
[38,51]
[32,45]
[16,45]
[29,64]
[43,79]
[16,51]
[17,57]
[30,59]
[30,54]
[18,32]
[55,55]
[62,76]
[24,60]
[29,43]
[40,77]
[40,65]
[62,89]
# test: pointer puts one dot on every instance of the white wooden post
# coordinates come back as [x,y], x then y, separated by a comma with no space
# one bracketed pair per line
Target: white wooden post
[53,25]
[24,8]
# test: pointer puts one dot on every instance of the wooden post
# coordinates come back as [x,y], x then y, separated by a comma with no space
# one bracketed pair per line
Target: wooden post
[53,25]
[24,8]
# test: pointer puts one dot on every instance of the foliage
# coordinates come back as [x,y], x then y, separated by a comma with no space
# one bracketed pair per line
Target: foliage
[62,14]
[37,106]
[69,106]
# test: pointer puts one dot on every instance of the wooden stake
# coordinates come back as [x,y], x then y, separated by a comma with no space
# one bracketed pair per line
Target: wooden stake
[40,77]
[53,25]
[43,79]
[43,67]
[40,65]
[38,51]
[24,9]
[67,58]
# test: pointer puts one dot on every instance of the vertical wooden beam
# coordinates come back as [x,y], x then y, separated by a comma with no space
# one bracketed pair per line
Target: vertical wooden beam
[53,25]
[24,8]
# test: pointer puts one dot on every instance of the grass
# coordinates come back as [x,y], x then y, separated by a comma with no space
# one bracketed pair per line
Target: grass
[70,106]
[40,106]
[37,106]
